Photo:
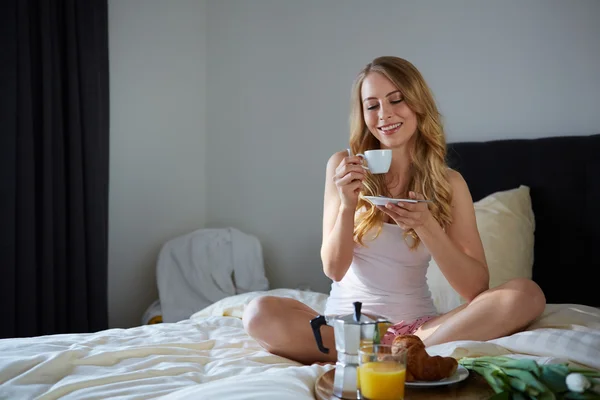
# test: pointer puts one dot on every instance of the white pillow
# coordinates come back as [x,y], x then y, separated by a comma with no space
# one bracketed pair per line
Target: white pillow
[506,225]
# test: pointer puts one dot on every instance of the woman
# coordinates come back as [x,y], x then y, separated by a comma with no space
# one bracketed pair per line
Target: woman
[379,255]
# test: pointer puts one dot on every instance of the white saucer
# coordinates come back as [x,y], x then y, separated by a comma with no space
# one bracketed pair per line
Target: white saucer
[460,375]
[382,201]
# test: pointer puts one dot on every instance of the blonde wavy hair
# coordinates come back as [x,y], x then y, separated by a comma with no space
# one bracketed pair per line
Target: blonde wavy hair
[428,154]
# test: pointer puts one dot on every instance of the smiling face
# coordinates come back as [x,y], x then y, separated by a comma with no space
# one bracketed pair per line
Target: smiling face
[386,114]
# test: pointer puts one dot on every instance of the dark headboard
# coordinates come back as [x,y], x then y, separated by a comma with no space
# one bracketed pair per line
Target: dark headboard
[563,174]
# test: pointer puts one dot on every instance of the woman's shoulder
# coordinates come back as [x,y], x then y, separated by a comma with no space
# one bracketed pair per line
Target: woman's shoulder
[460,188]
[455,177]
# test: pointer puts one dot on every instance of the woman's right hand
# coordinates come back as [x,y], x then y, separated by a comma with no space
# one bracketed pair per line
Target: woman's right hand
[348,178]
[344,182]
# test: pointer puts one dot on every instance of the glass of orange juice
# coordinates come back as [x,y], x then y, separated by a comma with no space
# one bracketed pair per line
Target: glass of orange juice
[381,374]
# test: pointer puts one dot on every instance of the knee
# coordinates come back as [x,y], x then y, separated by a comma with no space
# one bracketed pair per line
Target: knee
[525,294]
[260,314]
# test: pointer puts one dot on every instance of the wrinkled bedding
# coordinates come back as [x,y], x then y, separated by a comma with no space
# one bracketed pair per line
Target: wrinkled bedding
[210,355]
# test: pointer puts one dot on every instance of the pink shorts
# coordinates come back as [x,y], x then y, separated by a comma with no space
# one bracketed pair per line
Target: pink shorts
[404,328]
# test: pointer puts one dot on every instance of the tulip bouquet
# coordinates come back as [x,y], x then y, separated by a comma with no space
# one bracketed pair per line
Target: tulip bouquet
[521,379]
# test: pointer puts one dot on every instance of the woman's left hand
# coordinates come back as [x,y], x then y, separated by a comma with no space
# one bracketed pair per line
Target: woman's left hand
[408,215]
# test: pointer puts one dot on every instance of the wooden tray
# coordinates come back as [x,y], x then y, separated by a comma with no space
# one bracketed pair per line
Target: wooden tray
[473,388]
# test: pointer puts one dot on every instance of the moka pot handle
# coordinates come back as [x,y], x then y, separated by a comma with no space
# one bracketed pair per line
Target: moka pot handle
[316,324]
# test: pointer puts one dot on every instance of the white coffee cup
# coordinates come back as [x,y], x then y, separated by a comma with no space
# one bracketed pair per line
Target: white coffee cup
[378,161]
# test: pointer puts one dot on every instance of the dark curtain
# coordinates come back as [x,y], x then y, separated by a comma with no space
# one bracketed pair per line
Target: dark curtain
[54,121]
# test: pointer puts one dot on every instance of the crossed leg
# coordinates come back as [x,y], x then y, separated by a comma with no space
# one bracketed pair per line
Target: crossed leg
[497,312]
[282,325]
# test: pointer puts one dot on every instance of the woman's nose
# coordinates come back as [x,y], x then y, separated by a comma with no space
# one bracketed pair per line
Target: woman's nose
[384,112]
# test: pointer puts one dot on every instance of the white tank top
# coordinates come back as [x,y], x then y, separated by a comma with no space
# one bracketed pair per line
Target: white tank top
[388,278]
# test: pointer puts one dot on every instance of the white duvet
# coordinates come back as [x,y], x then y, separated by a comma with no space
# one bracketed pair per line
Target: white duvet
[210,356]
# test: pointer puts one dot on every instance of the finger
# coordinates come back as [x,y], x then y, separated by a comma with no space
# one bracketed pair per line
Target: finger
[395,212]
[389,211]
[352,160]
[349,178]
[413,207]
[398,210]
[356,186]
[418,196]
[404,221]
[343,174]
[343,169]
[415,195]
[401,222]
[407,206]
[354,168]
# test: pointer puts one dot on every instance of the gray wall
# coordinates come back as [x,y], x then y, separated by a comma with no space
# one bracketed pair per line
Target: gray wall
[224,113]
[157,53]
[279,81]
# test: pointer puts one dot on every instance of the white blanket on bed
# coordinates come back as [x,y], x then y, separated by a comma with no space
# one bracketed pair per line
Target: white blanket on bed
[210,356]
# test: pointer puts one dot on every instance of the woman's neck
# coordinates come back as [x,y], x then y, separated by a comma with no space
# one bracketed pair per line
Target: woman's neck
[398,177]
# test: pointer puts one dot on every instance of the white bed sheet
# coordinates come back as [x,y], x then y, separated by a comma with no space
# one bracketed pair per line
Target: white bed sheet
[211,356]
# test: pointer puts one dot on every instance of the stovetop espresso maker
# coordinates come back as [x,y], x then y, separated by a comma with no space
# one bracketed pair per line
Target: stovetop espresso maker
[351,331]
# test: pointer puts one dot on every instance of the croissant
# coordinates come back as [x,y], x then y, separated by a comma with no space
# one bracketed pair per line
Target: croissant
[420,366]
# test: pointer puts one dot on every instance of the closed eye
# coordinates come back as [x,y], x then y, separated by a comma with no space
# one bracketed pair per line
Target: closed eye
[374,106]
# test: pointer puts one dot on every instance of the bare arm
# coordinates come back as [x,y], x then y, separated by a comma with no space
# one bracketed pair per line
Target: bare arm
[458,251]
[342,186]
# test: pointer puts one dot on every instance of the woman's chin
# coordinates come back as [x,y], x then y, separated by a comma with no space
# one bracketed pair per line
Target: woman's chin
[394,142]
